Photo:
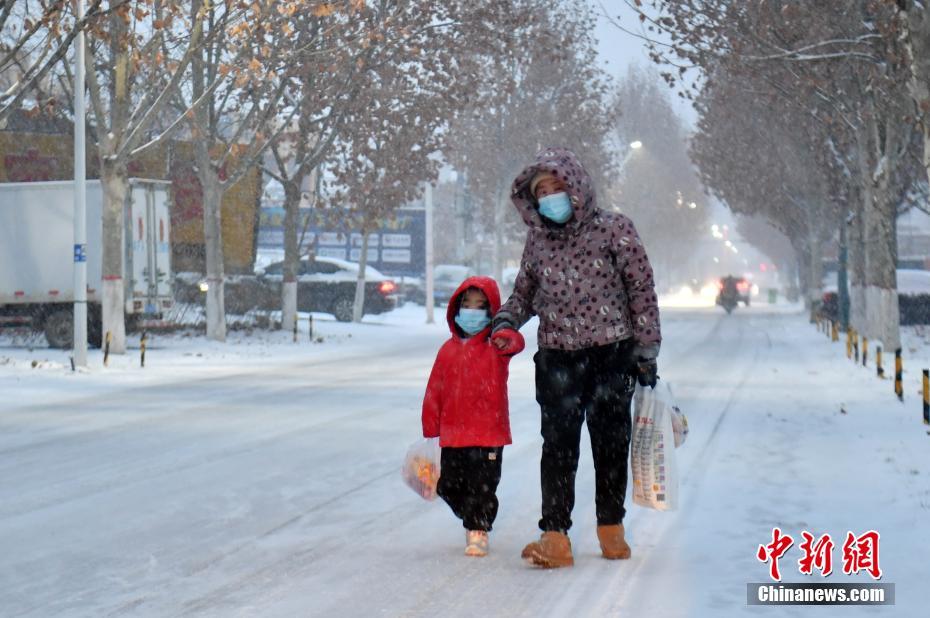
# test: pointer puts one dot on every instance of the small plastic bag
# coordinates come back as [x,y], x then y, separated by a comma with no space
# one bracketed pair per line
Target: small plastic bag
[679,426]
[420,470]
[652,454]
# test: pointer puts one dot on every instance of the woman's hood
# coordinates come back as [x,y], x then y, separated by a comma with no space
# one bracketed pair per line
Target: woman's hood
[564,165]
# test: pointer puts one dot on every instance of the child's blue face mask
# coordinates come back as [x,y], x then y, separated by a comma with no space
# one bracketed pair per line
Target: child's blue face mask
[472,321]
[556,207]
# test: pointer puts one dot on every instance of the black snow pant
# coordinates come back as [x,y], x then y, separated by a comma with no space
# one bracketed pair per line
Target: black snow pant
[594,383]
[468,479]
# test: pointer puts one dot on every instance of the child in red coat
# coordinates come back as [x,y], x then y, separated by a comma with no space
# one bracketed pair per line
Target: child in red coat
[466,407]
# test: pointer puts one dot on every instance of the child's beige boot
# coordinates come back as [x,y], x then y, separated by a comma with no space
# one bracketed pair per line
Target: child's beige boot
[476,543]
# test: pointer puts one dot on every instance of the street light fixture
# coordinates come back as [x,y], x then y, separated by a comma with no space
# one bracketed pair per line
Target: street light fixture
[634,146]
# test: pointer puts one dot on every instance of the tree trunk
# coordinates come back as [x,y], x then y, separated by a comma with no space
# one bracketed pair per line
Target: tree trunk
[359,309]
[881,295]
[213,246]
[917,23]
[842,275]
[855,244]
[291,254]
[815,269]
[804,274]
[210,183]
[115,188]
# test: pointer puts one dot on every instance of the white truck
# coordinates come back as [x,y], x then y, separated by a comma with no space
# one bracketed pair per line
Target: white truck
[37,255]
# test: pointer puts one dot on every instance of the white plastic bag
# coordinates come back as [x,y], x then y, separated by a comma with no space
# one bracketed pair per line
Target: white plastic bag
[420,470]
[652,452]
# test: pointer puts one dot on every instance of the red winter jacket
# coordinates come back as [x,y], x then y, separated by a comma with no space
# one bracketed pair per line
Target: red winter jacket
[466,397]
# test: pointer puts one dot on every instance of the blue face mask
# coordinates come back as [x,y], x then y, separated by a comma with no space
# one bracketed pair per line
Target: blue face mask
[472,321]
[556,207]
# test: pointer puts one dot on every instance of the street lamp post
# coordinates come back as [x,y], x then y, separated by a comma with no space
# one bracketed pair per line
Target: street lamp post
[80,204]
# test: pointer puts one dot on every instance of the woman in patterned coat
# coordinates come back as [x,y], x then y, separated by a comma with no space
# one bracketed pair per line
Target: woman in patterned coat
[585,273]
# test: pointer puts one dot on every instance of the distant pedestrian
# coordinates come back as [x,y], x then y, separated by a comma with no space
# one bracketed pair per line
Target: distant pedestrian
[585,273]
[466,407]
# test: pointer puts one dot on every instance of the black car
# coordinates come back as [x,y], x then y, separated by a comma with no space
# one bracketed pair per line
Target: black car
[327,285]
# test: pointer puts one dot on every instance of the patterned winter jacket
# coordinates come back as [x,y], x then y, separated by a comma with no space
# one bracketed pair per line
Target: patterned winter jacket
[589,281]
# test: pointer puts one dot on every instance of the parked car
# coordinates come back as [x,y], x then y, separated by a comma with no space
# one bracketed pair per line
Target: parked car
[413,289]
[446,279]
[328,284]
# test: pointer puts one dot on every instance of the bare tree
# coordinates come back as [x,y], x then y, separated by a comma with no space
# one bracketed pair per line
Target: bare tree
[35,36]
[335,51]
[410,89]
[237,87]
[845,64]
[137,60]
[534,96]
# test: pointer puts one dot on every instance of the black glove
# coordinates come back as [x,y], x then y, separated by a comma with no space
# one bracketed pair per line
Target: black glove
[647,372]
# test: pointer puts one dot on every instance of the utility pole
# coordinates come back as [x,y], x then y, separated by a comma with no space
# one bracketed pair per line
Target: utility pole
[428,199]
[80,201]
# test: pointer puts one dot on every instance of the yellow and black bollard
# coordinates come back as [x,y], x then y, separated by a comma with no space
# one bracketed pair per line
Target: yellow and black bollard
[898,374]
[849,343]
[926,396]
[106,349]
[142,344]
[295,329]
[856,347]
[865,351]
[879,370]
[835,332]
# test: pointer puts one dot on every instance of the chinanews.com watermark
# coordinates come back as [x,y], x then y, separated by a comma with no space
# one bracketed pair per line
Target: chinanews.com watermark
[859,554]
[820,594]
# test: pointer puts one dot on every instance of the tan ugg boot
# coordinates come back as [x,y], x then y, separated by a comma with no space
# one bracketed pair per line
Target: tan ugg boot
[613,545]
[551,551]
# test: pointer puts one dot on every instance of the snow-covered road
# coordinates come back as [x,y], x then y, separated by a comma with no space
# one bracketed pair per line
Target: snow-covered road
[272,488]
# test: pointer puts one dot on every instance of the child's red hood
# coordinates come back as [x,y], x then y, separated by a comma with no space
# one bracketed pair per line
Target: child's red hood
[486,285]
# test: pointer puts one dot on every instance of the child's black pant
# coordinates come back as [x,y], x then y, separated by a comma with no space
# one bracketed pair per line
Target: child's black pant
[468,480]
[597,384]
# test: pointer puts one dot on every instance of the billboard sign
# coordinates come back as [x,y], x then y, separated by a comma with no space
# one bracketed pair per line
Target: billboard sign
[398,248]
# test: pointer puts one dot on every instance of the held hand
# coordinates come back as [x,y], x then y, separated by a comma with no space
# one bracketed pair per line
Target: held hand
[647,372]
[507,341]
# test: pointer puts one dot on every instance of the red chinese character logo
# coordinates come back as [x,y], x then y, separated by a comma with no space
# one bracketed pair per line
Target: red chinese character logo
[773,551]
[861,554]
[819,554]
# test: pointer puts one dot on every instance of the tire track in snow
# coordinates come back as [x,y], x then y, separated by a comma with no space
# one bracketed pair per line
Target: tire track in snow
[654,526]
